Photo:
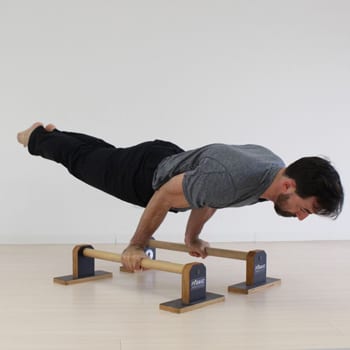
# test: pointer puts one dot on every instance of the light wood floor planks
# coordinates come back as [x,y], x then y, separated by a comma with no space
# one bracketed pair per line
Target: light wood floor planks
[310,310]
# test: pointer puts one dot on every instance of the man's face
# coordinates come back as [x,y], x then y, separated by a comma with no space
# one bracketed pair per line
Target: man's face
[292,205]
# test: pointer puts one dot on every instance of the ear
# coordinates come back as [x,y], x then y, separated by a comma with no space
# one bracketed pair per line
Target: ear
[288,185]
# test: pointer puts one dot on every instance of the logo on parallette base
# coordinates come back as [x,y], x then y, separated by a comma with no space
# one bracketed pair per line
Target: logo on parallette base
[260,268]
[198,283]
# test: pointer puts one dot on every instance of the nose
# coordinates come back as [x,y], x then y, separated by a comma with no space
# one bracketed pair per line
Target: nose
[301,215]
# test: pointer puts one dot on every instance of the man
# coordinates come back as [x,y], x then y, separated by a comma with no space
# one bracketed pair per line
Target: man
[161,177]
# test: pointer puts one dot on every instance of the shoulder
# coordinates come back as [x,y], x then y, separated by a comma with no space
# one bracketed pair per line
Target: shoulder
[243,150]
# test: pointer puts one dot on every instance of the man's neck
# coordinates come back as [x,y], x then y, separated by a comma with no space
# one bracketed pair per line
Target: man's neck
[274,189]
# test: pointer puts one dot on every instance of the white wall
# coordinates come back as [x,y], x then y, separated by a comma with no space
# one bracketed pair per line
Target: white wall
[194,72]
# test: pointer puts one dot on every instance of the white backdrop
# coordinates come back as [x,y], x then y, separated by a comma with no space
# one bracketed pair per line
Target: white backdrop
[194,72]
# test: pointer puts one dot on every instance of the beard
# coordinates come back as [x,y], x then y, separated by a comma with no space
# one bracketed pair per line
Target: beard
[280,205]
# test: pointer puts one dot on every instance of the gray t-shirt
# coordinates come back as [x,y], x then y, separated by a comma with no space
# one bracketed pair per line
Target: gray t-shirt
[220,176]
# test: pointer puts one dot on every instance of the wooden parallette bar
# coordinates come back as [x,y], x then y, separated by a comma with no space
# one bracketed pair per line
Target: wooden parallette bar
[221,253]
[194,294]
[145,263]
[256,265]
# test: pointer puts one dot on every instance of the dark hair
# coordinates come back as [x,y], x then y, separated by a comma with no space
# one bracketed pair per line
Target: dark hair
[315,176]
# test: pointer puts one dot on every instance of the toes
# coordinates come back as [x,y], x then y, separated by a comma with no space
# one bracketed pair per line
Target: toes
[23,136]
[50,127]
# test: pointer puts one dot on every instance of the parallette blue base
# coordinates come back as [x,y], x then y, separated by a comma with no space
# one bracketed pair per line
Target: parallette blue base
[242,288]
[177,306]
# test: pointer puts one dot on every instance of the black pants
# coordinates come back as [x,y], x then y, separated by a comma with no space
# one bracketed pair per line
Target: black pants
[125,173]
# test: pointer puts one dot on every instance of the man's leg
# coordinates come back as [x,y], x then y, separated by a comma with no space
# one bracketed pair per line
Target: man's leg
[87,158]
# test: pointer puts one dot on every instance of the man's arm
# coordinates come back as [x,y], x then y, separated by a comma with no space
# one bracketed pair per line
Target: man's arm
[170,195]
[195,223]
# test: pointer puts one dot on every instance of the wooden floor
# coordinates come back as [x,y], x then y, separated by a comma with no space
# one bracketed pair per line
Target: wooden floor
[310,310]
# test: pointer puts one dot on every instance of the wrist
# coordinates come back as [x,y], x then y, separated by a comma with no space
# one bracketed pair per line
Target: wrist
[191,239]
[137,244]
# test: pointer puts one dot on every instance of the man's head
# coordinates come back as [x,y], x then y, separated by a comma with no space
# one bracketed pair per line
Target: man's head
[311,186]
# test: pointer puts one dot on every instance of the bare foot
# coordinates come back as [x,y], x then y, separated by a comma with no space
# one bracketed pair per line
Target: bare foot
[23,136]
[50,127]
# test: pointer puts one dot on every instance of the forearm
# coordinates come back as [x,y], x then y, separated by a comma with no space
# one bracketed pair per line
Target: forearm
[170,195]
[196,221]
[151,219]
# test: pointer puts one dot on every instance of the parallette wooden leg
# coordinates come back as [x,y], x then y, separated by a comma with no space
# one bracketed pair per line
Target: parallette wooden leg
[256,279]
[194,294]
[83,269]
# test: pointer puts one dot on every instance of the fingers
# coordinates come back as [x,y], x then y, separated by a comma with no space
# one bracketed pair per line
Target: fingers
[202,253]
[132,258]
[132,263]
[198,248]
[195,254]
[205,254]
